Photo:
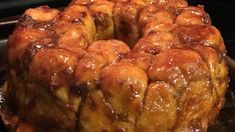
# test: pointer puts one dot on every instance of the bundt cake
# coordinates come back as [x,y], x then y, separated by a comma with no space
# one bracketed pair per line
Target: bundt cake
[115,66]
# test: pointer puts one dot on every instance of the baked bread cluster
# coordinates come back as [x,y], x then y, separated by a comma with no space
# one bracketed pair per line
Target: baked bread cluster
[115,66]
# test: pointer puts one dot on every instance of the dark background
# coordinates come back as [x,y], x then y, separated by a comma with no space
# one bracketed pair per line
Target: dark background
[222,13]
[14,7]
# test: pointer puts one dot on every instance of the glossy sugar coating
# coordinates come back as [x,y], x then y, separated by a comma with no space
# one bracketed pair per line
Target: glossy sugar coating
[108,65]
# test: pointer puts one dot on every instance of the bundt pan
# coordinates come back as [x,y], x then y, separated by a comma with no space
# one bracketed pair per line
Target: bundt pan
[117,66]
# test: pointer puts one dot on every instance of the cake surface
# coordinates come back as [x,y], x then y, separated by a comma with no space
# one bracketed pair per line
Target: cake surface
[113,66]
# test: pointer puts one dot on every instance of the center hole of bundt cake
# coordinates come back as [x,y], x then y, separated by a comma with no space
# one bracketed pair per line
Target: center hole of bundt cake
[124,28]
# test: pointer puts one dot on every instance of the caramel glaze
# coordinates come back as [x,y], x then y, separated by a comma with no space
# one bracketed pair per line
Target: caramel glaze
[64,75]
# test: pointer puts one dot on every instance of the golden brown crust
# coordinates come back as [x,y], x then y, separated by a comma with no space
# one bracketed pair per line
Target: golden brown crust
[52,66]
[111,50]
[140,59]
[160,14]
[123,86]
[65,76]
[42,13]
[156,43]
[88,69]
[161,102]
[126,21]
[192,15]
[102,13]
